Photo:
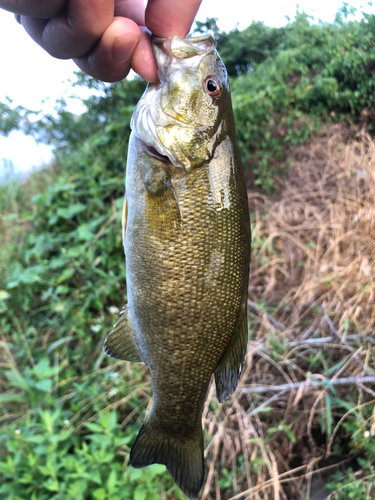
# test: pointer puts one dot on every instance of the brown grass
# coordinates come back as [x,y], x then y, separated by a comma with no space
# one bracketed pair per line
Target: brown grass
[311,278]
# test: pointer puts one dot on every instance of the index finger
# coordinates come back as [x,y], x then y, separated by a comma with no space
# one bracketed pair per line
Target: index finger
[76,31]
[166,18]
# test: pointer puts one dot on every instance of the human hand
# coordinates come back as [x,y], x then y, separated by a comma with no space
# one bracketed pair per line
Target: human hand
[105,38]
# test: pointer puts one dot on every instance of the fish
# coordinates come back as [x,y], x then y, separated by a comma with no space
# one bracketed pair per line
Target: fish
[186,234]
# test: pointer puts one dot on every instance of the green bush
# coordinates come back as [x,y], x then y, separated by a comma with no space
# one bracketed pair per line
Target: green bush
[47,460]
[67,442]
[320,73]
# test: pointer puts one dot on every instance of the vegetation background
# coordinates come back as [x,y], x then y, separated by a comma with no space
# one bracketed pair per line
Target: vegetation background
[302,423]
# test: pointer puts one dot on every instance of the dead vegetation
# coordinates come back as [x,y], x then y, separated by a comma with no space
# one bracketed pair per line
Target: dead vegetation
[310,367]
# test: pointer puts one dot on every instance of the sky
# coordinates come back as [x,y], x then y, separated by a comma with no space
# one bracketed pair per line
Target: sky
[32,78]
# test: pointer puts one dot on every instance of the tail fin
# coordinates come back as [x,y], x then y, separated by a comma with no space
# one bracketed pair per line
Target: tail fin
[183,457]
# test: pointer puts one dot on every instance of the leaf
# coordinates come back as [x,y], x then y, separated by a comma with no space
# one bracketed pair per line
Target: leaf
[100,494]
[59,262]
[7,488]
[49,419]
[16,380]
[108,421]
[44,470]
[84,232]
[335,367]
[134,474]
[37,439]
[71,211]
[11,396]
[27,276]
[265,409]
[66,274]
[64,435]
[156,470]
[87,475]
[6,469]
[51,484]
[56,344]
[94,427]
[349,406]
[140,492]
[112,481]
[289,434]
[44,385]
[76,488]
[43,369]
[330,386]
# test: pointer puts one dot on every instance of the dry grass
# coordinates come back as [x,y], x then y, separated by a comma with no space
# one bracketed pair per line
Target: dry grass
[312,297]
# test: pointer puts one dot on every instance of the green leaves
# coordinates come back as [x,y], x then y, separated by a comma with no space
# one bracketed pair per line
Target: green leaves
[288,81]
[49,459]
[71,211]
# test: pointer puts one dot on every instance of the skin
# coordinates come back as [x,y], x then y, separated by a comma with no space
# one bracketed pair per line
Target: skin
[105,38]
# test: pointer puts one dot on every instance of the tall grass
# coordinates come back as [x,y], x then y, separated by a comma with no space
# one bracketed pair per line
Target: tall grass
[312,298]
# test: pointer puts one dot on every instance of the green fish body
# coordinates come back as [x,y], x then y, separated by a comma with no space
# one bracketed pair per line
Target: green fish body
[187,247]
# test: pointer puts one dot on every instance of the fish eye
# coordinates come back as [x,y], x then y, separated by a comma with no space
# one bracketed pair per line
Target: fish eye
[212,86]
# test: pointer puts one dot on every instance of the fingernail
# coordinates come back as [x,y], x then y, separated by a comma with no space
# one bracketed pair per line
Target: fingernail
[123,48]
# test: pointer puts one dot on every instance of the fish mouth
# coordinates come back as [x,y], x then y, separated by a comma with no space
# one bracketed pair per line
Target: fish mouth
[181,48]
[155,154]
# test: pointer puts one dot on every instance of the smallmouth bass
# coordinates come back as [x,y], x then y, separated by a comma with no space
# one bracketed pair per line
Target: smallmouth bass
[186,233]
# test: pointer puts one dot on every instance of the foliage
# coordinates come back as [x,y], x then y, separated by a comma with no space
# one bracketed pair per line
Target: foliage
[359,484]
[45,455]
[347,485]
[242,51]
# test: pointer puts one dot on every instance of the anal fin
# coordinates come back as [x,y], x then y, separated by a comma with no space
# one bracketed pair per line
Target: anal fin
[121,342]
[228,371]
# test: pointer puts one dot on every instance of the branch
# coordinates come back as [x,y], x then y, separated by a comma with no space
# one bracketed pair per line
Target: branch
[324,340]
[307,383]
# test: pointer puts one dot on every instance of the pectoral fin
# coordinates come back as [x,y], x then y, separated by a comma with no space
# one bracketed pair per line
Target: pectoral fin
[229,369]
[121,342]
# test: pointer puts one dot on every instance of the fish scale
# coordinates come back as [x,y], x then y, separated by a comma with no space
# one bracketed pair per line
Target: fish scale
[187,248]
